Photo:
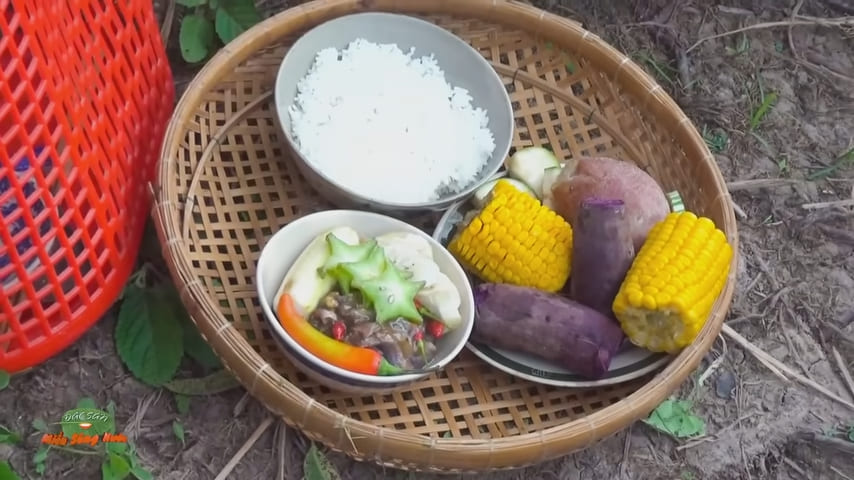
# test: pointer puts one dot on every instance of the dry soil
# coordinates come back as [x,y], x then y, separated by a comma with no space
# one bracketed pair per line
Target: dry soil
[794,288]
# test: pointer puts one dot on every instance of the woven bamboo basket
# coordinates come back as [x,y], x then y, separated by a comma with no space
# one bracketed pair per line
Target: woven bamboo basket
[226,185]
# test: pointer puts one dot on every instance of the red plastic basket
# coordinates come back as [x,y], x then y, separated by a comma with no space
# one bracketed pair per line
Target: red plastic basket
[85,95]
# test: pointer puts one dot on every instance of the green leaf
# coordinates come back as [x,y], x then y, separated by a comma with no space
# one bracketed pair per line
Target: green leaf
[9,437]
[86,402]
[851,434]
[196,38]
[691,426]
[141,473]
[148,338]
[4,379]
[192,3]
[40,425]
[40,459]
[665,410]
[234,18]
[178,430]
[674,417]
[673,424]
[195,346]
[118,448]
[317,467]
[217,382]
[115,468]
[6,472]
[182,403]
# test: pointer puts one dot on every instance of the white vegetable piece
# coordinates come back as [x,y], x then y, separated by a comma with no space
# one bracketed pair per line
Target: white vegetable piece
[413,254]
[481,195]
[528,165]
[303,281]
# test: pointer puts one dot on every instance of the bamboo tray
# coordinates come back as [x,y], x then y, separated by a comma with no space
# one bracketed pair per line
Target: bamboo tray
[225,185]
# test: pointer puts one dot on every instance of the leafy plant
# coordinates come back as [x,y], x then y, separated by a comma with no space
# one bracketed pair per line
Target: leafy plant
[716,139]
[148,339]
[9,437]
[6,472]
[317,467]
[213,21]
[154,332]
[119,460]
[674,417]
[4,379]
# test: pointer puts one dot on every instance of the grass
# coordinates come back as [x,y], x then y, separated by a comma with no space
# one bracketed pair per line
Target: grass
[661,70]
[842,161]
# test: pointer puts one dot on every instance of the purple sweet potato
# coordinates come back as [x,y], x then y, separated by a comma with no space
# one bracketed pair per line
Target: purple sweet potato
[602,252]
[603,177]
[547,326]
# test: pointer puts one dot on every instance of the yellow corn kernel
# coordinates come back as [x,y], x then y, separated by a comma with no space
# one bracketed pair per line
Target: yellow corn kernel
[674,280]
[515,239]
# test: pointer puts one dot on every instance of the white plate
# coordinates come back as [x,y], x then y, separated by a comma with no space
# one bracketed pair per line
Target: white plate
[629,363]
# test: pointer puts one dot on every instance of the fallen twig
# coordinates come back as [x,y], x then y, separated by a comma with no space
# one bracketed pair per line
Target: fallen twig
[846,374]
[241,404]
[759,183]
[839,472]
[843,446]
[715,364]
[281,447]
[168,20]
[738,210]
[226,471]
[709,438]
[836,203]
[135,422]
[780,369]
[794,466]
[798,20]
[627,446]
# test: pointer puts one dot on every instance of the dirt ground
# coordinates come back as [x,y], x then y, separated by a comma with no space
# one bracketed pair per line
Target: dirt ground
[797,262]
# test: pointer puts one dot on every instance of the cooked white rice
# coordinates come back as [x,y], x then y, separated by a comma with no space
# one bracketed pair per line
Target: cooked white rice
[387,125]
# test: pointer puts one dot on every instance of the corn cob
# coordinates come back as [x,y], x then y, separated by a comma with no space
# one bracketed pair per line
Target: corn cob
[673,282]
[516,240]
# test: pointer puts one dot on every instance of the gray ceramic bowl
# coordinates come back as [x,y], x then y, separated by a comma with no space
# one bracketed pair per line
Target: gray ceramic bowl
[463,67]
[282,250]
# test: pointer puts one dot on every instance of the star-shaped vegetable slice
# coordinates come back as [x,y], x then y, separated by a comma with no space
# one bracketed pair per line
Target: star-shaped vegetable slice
[341,252]
[392,295]
[369,267]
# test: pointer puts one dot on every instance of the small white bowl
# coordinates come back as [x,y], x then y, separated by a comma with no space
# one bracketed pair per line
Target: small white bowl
[282,250]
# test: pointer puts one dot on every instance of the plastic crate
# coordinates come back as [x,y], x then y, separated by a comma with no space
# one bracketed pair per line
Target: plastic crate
[85,95]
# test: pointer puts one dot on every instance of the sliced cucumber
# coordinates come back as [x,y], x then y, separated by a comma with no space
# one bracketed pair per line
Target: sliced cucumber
[481,195]
[528,166]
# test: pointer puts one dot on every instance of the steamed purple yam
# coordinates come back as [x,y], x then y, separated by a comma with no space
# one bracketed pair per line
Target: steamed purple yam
[547,326]
[602,253]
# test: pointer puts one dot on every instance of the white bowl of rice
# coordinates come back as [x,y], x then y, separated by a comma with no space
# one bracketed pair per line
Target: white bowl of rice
[392,113]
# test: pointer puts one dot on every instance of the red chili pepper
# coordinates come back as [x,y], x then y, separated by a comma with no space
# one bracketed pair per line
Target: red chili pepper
[338,330]
[435,328]
[340,354]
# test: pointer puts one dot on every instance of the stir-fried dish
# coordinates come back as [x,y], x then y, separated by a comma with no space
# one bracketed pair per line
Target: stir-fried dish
[376,306]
